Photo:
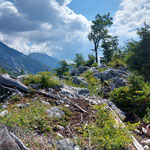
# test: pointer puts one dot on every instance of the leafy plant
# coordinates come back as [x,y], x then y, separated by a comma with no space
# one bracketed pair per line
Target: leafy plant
[79,60]
[103,133]
[15,98]
[63,69]
[44,78]
[32,117]
[132,97]
[116,63]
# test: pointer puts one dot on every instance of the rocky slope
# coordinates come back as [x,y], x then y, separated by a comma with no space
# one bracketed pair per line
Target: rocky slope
[50,118]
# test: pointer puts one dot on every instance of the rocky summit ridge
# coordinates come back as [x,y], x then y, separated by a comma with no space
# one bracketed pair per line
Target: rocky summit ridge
[50,118]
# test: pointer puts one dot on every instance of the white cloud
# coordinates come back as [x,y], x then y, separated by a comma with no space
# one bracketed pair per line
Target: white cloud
[47,26]
[132,15]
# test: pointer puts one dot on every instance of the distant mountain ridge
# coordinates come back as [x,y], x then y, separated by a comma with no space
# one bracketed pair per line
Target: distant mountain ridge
[11,59]
[45,59]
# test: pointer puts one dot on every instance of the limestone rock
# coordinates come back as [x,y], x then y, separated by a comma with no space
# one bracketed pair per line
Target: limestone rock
[79,81]
[55,112]
[67,144]
[3,113]
[6,141]
[79,70]
[109,74]
[23,105]
[35,86]
[83,91]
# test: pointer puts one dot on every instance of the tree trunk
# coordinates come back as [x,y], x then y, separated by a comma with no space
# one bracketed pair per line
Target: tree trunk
[96,54]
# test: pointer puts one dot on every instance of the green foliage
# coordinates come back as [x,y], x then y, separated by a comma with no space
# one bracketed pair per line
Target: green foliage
[44,78]
[90,61]
[99,31]
[22,72]
[109,46]
[93,83]
[63,69]
[104,133]
[32,117]
[95,64]
[79,60]
[138,58]
[2,70]
[146,118]
[101,69]
[15,98]
[116,63]
[132,97]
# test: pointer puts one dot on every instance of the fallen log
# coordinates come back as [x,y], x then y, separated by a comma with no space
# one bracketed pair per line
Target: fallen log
[50,95]
[7,81]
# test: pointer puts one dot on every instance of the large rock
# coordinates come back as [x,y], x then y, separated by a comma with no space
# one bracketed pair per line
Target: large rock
[55,112]
[73,92]
[35,86]
[119,82]
[110,73]
[79,70]
[83,91]
[93,69]
[79,81]
[23,105]
[67,144]
[6,141]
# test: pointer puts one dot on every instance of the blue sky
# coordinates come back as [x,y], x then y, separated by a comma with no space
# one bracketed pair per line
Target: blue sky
[60,28]
[90,8]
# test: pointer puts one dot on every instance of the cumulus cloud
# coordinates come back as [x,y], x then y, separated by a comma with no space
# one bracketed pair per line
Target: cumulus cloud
[47,26]
[132,15]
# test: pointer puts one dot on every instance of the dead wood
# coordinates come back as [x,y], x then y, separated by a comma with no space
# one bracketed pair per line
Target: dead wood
[7,81]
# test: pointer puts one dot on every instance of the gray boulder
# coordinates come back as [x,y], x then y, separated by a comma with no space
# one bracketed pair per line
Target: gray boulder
[55,112]
[35,86]
[6,141]
[109,74]
[3,113]
[119,82]
[74,72]
[23,105]
[67,144]
[79,81]
[79,70]
[83,91]
[93,69]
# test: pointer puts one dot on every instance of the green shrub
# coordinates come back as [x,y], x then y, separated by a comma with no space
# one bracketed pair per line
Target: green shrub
[15,98]
[101,69]
[63,69]
[44,78]
[90,61]
[146,118]
[93,83]
[32,117]
[103,133]
[95,64]
[79,60]
[132,97]
[116,63]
